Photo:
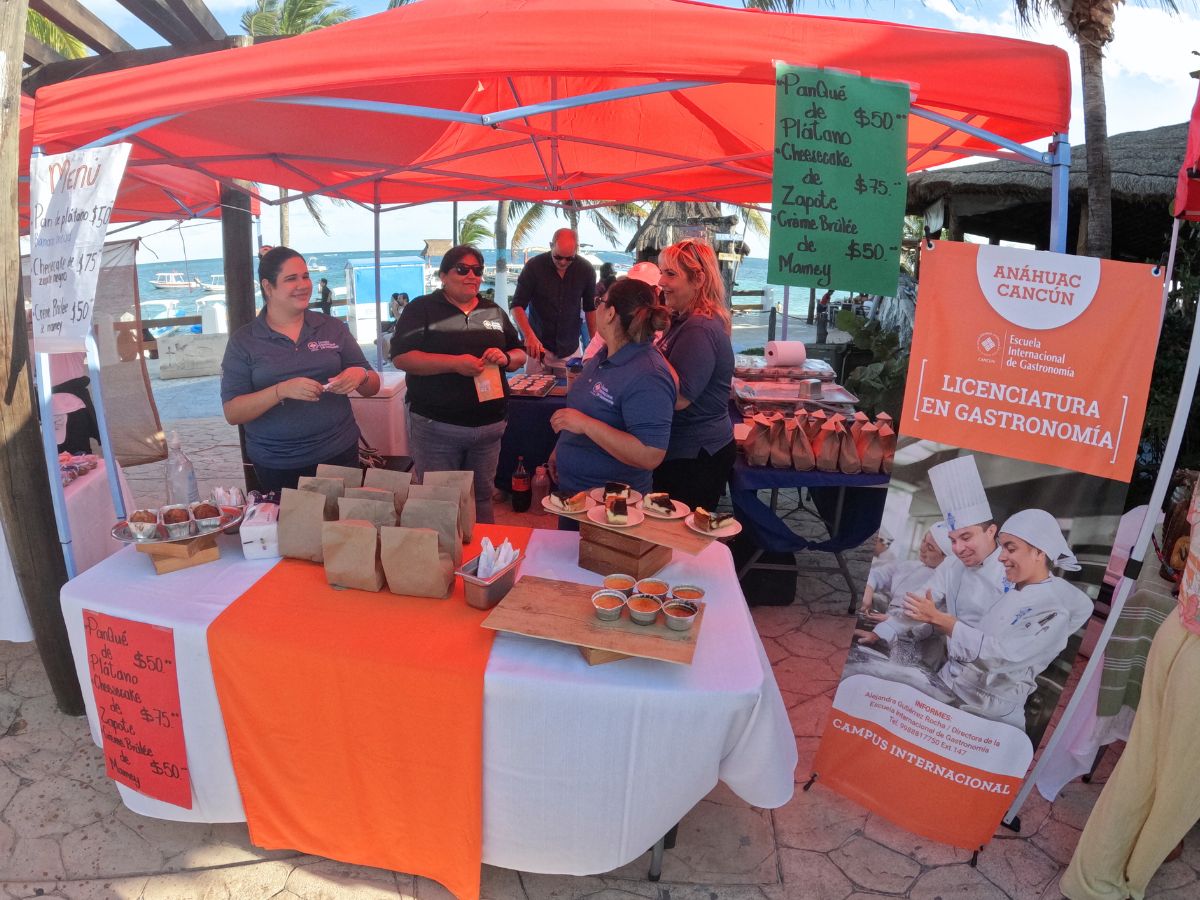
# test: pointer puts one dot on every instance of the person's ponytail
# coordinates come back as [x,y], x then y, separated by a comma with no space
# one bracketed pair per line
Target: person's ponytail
[645,322]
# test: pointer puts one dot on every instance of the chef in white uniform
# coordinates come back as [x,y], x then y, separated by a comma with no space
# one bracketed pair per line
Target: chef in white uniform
[994,662]
[970,581]
[883,547]
[895,579]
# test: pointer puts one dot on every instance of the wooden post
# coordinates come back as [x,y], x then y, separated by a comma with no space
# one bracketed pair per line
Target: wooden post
[237,243]
[24,487]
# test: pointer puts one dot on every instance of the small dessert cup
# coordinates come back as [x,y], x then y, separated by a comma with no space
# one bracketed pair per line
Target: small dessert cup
[620,582]
[680,614]
[687,592]
[644,608]
[144,531]
[206,523]
[655,587]
[608,605]
[180,529]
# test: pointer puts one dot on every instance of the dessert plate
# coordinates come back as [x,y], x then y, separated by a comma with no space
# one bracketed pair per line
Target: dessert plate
[599,515]
[681,510]
[551,508]
[729,530]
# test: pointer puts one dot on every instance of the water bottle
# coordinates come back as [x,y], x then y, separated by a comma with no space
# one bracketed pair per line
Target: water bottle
[181,476]
[522,492]
[541,488]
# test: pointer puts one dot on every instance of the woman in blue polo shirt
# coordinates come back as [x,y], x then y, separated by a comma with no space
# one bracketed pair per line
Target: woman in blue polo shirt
[617,421]
[287,375]
[698,347]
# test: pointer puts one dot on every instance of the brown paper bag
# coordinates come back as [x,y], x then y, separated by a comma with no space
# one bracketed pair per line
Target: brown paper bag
[365,493]
[884,419]
[329,488]
[414,564]
[870,452]
[352,476]
[441,516]
[464,483]
[803,459]
[780,455]
[389,480]
[351,549]
[812,426]
[758,441]
[860,419]
[887,445]
[301,515]
[828,446]
[848,460]
[378,512]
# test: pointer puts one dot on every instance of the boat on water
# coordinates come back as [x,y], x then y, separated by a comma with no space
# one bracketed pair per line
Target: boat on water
[165,281]
[315,265]
[215,284]
[151,310]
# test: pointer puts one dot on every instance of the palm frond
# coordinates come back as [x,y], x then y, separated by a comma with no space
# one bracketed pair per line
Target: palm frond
[530,219]
[473,227]
[67,45]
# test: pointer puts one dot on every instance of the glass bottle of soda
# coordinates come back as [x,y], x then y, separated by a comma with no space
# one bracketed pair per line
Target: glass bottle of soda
[522,487]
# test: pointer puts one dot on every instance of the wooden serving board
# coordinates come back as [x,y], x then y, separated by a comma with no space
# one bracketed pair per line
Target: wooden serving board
[562,611]
[176,555]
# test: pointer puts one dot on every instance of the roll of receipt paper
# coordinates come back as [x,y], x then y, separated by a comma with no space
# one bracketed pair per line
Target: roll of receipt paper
[786,353]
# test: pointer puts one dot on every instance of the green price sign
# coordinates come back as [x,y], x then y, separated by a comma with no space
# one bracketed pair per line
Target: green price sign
[837,197]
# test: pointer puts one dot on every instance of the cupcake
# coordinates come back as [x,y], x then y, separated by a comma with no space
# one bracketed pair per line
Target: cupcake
[207,516]
[143,524]
[177,520]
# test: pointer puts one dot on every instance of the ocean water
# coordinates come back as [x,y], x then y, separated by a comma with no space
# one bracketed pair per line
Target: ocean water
[751,275]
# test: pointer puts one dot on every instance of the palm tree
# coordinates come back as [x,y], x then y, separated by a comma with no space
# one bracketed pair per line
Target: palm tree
[54,37]
[271,18]
[1090,24]
[473,227]
[608,220]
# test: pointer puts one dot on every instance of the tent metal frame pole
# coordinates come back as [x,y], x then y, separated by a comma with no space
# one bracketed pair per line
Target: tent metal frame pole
[110,462]
[378,287]
[1060,184]
[983,134]
[1183,403]
[50,451]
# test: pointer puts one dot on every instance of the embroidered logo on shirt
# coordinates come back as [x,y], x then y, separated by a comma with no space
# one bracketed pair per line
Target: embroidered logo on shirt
[322,345]
[493,325]
[600,392]
[1021,613]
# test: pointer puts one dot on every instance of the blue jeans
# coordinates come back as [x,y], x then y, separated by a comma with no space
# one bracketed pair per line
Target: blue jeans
[441,447]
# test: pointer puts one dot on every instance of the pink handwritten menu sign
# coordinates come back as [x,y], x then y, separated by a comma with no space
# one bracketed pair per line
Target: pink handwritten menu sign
[131,666]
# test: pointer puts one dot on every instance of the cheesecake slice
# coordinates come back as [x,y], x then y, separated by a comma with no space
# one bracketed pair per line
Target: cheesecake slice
[616,489]
[568,502]
[659,502]
[616,511]
[713,521]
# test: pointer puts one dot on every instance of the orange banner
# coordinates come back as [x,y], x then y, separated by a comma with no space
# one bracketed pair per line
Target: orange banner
[1035,356]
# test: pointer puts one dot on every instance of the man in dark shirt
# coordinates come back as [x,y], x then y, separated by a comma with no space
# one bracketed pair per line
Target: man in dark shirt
[326,297]
[554,288]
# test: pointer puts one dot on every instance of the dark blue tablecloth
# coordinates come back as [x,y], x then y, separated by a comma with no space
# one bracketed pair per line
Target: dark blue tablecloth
[527,434]
[862,498]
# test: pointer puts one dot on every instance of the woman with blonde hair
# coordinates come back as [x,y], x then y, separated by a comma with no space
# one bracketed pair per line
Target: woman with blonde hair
[617,421]
[698,347]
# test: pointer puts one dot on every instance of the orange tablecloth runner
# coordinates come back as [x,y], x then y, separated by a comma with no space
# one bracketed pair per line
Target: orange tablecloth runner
[355,720]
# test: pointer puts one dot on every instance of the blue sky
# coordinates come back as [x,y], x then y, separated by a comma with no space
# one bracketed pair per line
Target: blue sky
[1147,84]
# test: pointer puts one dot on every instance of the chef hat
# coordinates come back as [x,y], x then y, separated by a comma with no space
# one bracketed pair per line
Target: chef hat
[960,494]
[941,536]
[647,272]
[1039,528]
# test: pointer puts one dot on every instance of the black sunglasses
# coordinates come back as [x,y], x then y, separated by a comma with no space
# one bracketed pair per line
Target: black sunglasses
[563,258]
[463,269]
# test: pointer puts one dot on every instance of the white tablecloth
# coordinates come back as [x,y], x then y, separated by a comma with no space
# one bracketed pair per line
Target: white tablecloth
[381,417]
[584,767]
[91,516]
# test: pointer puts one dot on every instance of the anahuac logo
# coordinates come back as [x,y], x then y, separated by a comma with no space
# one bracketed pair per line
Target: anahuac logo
[493,325]
[1036,290]
[988,345]
[322,345]
[600,392]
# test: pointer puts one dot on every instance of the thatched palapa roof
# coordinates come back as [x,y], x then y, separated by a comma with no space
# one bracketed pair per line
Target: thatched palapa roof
[1011,200]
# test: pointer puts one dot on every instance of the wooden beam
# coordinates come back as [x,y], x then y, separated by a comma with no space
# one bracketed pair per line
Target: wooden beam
[155,14]
[78,21]
[111,62]
[24,485]
[39,54]
[197,19]
[237,243]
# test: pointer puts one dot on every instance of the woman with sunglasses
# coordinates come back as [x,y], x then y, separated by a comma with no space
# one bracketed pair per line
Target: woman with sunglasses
[698,347]
[617,421]
[287,377]
[443,341]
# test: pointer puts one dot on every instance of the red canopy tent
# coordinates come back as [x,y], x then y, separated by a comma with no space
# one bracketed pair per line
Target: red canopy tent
[1187,192]
[598,100]
[146,193]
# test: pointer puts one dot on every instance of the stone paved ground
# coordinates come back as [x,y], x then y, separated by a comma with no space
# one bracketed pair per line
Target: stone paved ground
[64,833]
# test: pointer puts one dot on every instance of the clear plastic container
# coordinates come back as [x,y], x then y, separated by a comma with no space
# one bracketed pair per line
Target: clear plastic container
[541,489]
[181,475]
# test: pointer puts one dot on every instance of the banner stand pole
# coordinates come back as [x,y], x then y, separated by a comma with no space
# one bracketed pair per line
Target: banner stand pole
[110,463]
[1183,405]
[378,288]
[50,451]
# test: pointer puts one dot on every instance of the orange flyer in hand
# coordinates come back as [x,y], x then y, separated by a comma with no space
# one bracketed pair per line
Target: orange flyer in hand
[1037,356]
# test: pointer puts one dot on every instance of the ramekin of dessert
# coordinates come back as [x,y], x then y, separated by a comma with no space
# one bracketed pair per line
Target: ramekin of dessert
[608,605]
[207,516]
[177,519]
[679,614]
[143,524]
[620,582]
[644,608]
[655,587]
[687,592]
